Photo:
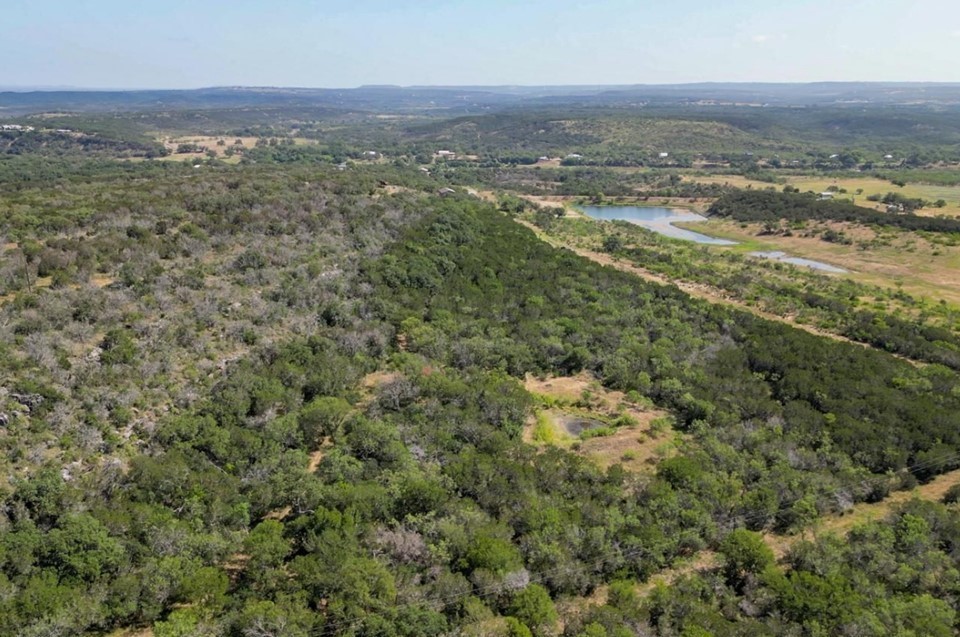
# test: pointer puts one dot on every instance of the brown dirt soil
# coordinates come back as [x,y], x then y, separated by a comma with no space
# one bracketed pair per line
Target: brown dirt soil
[702,561]
[393,190]
[865,512]
[316,457]
[101,280]
[635,448]
[372,381]
[566,388]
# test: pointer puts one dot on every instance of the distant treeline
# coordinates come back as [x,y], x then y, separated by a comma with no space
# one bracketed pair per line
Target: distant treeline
[767,205]
[46,143]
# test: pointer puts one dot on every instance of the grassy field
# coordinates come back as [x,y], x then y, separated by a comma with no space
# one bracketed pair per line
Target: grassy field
[873,186]
[209,143]
[868,186]
[909,262]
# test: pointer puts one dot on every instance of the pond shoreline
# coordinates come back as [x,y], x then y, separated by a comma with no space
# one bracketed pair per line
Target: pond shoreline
[662,220]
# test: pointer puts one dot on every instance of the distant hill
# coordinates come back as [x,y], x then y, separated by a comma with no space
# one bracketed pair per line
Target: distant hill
[477,98]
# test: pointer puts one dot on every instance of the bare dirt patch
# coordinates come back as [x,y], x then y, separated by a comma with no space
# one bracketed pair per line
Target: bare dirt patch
[636,449]
[565,388]
[702,561]
[101,280]
[394,190]
[583,404]
[132,632]
[372,381]
[317,457]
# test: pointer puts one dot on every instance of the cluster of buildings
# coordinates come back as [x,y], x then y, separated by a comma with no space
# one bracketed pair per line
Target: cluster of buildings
[16,127]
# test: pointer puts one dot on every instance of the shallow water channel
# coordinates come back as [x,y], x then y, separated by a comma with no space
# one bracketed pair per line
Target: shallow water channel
[661,220]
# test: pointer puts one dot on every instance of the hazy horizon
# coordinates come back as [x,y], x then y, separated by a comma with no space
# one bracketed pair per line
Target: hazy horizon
[93,89]
[108,44]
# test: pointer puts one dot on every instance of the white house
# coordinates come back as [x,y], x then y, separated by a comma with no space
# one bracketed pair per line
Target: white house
[664,155]
[574,156]
[826,196]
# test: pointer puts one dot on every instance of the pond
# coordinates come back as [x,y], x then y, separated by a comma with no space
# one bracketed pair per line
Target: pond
[659,220]
[810,263]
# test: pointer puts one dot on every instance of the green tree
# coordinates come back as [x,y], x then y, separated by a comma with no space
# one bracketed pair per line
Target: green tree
[745,553]
[534,608]
[81,548]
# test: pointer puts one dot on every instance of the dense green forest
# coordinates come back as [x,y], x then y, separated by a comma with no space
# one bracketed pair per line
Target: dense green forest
[426,512]
[905,325]
[287,395]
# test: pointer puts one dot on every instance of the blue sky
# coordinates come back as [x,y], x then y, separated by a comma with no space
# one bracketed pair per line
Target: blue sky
[344,43]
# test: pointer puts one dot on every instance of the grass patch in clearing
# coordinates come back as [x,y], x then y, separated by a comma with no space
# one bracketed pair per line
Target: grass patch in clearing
[544,431]
[597,432]
[609,427]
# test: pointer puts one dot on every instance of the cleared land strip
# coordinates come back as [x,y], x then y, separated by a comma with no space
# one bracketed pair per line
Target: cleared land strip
[865,512]
[862,513]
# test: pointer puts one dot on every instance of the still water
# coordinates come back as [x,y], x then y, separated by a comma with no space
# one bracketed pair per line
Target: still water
[661,220]
[810,263]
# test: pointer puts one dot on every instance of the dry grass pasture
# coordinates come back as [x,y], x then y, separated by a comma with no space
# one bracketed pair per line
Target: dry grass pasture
[866,185]
[910,262]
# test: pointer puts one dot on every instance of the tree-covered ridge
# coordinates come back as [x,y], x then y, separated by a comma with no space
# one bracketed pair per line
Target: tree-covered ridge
[484,279]
[908,326]
[277,294]
[57,144]
[769,205]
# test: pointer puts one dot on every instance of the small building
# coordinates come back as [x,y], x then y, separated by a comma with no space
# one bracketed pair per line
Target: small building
[446,192]
[826,196]
[888,157]
[574,156]
[664,155]
[543,158]
[424,169]
[371,154]
[446,154]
